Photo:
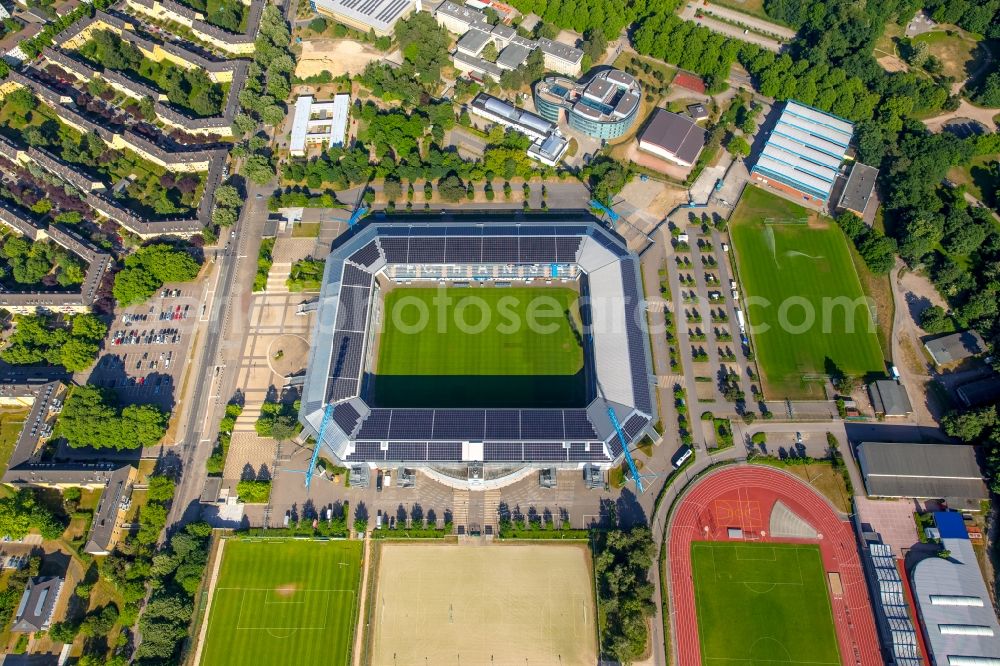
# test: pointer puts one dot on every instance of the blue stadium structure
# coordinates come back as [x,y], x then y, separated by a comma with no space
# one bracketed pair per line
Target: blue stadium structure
[481,248]
[804,153]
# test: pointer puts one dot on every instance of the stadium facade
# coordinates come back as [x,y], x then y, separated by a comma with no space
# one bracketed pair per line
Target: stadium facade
[470,249]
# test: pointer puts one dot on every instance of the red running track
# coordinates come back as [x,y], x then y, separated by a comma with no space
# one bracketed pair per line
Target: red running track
[743,497]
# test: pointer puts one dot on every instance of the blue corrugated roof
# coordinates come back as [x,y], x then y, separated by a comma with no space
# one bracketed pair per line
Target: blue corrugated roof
[950,525]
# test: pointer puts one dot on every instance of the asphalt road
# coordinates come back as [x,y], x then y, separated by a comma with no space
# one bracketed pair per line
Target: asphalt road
[236,265]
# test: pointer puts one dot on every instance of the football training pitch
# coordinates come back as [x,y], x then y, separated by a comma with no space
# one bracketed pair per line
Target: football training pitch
[284,602]
[806,309]
[481,606]
[480,347]
[761,604]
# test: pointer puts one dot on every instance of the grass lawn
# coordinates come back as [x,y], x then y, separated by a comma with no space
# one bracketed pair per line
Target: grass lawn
[979,177]
[496,359]
[825,479]
[284,602]
[959,52]
[879,290]
[305,230]
[806,309]
[11,422]
[751,7]
[762,603]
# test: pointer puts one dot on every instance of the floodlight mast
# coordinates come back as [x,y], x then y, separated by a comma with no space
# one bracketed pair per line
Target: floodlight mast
[606,209]
[357,215]
[628,456]
[319,444]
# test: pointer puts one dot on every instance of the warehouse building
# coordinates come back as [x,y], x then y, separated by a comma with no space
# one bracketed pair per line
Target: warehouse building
[803,154]
[319,123]
[377,15]
[673,137]
[955,347]
[924,471]
[955,607]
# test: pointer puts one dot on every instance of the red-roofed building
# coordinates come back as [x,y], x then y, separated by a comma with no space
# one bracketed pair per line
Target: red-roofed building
[690,81]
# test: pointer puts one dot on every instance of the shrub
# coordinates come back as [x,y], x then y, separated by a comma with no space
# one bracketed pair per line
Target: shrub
[254,492]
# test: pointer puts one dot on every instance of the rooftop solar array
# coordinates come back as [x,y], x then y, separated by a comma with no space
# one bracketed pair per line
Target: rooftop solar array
[499,452]
[636,339]
[376,14]
[512,435]
[478,424]
[472,249]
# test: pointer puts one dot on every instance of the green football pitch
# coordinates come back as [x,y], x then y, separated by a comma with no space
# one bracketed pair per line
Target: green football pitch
[762,604]
[480,347]
[284,602]
[805,306]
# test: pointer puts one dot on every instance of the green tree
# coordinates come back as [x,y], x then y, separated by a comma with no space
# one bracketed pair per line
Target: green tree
[259,169]
[90,418]
[935,320]
[738,146]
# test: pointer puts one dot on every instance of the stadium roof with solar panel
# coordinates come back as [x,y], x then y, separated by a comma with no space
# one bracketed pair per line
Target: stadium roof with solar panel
[467,254]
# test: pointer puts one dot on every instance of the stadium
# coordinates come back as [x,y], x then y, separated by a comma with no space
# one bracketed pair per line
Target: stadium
[504,399]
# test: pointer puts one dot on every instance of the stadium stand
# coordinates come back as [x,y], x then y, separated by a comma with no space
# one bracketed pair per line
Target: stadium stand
[466,247]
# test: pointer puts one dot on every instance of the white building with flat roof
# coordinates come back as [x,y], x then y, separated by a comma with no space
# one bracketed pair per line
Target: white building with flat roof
[548,145]
[317,123]
[366,15]
[955,607]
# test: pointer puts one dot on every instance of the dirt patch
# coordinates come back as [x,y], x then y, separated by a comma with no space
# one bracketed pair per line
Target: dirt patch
[338,57]
[919,294]
[286,590]
[630,153]
[508,604]
[891,63]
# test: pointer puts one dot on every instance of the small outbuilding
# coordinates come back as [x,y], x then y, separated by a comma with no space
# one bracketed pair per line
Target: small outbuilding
[859,189]
[698,112]
[889,398]
[955,347]
[980,393]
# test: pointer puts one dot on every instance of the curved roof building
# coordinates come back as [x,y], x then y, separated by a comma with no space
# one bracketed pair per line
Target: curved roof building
[605,107]
[383,252]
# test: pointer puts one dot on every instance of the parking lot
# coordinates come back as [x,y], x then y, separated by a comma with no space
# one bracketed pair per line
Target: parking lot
[147,347]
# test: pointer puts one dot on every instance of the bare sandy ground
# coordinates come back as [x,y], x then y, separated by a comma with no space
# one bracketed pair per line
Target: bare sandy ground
[484,605]
[340,56]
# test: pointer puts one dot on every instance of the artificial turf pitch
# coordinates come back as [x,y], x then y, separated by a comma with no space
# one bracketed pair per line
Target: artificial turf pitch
[794,265]
[284,602]
[494,359]
[762,603]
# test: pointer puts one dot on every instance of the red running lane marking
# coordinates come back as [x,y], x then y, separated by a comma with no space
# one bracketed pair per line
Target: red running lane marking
[744,487]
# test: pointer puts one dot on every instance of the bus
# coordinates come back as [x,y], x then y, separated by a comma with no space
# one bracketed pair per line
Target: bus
[681,456]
